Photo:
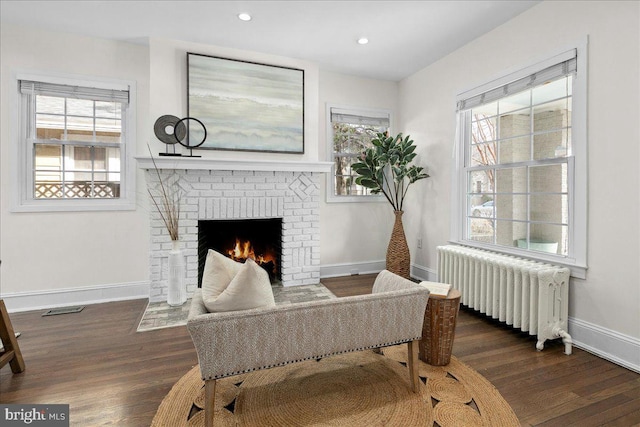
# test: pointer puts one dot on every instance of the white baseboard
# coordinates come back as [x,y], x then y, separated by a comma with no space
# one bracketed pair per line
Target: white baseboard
[39,300]
[621,349]
[370,267]
[351,269]
[423,273]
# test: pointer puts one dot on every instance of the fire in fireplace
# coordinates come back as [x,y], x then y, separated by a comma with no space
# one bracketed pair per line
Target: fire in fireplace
[243,249]
[258,239]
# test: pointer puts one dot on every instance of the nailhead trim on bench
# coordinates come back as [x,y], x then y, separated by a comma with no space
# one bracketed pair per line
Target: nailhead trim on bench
[308,358]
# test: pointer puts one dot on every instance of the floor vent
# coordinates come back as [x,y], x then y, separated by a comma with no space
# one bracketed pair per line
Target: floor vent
[63,310]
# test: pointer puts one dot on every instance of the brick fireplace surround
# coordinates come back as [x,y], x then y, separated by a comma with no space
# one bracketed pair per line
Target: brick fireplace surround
[224,189]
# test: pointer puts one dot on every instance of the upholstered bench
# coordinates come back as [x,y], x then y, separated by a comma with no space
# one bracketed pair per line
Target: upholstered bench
[235,342]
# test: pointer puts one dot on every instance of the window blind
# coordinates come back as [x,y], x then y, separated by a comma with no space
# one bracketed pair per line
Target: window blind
[561,69]
[351,117]
[28,87]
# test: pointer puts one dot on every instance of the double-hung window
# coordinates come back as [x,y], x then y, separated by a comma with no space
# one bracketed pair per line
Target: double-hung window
[522,164]
[350,132]
[74,145]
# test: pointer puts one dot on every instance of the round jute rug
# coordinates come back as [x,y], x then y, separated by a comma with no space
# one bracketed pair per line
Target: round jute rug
[355,389]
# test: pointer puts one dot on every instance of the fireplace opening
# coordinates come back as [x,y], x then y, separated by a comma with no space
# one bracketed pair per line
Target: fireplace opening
[239,239]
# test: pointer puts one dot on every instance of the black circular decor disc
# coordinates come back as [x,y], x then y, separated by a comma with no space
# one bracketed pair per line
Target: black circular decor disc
[169,129]
[196,132]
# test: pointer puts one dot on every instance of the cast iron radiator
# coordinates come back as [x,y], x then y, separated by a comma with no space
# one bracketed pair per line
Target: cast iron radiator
[528,295]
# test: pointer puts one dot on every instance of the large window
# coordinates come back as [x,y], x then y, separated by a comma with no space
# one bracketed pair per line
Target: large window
[517,166]
[351,131]
[73,146]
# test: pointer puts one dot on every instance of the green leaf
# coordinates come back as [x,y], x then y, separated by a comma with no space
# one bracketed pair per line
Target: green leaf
[366,172]
[408,150]
[359,165]
[366,182]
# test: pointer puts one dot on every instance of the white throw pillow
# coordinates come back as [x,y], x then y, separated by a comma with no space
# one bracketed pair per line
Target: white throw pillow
[219,271]
[250,288]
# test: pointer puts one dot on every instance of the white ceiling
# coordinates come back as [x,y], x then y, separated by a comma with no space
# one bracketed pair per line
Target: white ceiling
[405,36]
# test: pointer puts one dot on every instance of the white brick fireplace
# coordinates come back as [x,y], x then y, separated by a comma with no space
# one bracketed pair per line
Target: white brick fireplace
[224,189]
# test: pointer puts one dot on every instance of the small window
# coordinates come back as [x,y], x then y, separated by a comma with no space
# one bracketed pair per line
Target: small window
[73,145]
[350,132]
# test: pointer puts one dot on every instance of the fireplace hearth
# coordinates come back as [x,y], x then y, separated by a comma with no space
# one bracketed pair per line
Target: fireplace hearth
[239,239]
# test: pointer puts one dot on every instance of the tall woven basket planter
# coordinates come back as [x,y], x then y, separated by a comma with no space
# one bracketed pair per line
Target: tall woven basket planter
[398,256]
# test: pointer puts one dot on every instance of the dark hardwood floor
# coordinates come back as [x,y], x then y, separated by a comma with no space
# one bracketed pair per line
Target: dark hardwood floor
[109,374]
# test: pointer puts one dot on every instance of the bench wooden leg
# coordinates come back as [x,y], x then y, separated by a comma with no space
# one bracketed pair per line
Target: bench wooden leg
[11,353]
[209,400]
[413,365]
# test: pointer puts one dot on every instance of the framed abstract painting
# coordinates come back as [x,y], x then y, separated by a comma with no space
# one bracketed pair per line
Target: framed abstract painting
[246,106]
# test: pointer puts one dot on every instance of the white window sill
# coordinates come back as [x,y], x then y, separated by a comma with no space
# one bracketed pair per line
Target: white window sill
[355,199]
[74,205]
[578,270]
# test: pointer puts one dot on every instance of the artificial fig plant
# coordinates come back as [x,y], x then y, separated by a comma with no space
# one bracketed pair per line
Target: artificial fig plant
[384,168]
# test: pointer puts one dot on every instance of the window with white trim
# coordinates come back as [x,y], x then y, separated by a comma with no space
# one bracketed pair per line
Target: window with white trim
[350,132]
[522,163]
[73,146]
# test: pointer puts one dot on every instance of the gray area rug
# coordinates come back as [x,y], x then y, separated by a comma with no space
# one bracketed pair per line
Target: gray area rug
[160,315]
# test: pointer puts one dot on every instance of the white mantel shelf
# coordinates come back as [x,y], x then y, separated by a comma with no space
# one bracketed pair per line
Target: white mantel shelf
[199,163]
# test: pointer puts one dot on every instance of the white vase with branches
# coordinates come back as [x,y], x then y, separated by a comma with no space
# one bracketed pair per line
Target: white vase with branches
[167,199]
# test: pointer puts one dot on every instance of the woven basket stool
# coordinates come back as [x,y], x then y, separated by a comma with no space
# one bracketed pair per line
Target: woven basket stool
[438,329]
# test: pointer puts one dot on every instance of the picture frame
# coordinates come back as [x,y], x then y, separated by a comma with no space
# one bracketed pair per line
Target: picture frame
[246,106]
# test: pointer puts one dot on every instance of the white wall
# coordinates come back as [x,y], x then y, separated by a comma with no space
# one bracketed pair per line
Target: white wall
[356,234]
[42,252]
[604,308]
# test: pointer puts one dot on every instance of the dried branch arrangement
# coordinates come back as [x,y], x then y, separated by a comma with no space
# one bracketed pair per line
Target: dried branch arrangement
[167,202]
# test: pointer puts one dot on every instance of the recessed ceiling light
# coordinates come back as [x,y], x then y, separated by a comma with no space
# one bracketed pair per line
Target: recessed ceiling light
[244,17]
[363,40]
